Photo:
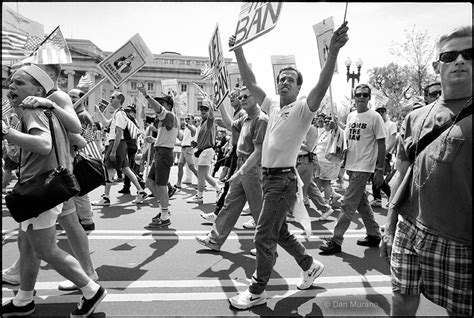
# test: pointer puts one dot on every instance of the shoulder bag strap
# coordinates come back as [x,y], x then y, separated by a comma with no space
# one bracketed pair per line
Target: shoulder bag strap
[53,137]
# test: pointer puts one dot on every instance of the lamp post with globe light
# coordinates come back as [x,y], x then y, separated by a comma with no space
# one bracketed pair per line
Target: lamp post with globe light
[352,75]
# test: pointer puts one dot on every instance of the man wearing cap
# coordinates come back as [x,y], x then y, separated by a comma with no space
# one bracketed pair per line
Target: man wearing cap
[116,152]
[432,91]
[158,177]
[205,153]
[37,236]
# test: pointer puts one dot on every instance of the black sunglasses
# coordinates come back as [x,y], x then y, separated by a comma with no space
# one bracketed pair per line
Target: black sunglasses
[244,97]
[448,57]
[434,94]
[365,95]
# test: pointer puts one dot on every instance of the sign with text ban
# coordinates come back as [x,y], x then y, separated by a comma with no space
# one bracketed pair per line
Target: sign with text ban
[220,80]
[255,19]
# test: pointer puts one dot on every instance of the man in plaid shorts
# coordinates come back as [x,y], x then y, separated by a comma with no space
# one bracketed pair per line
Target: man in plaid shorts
[428,237]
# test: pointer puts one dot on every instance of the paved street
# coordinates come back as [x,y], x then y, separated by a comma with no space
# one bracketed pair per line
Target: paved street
[167,273]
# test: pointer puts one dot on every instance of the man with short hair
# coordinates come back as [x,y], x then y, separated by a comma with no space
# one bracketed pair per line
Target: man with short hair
[365,139]
[432,91]
[187,154]
[430,216]
[116,152]
[288,123]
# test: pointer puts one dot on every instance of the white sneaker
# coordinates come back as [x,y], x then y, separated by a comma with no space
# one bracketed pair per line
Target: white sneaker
[104,201]
[308,277]
[68,285]
[246,300]
[141,196]
[196,199]
[210,217]
[253,252]
[11,275]
[245,211]
[250,224]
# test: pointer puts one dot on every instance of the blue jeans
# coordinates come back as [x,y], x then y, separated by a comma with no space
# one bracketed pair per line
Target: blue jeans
[279,197]
[356,198]
[306,171]
[247,187]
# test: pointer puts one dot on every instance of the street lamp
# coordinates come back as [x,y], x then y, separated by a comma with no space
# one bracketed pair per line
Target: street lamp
[351,75]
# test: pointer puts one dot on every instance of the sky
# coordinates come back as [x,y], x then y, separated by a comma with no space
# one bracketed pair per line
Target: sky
[187,27]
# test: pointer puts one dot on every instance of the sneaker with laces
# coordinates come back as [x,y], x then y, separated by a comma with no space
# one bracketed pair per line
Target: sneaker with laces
[209,217]
[330,248]
[11,276]
[246,300]
[290,218]
[376,203]
[87,306]
[326,214]
[158,224]
[250,224]
[196,199]
[308,277]
[172,191]
[141,196]
[10,310]
[204,240]
[68,285]
[104,201]
[245,212]
[157,217]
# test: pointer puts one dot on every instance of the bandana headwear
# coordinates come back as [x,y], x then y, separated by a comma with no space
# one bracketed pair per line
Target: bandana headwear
[41,76]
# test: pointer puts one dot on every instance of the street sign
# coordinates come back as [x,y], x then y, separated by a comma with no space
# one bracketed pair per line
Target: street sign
[255,19]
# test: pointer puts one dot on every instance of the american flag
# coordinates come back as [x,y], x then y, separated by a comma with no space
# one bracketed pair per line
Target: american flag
[132,129]
[6,108]
[207,72]
[88,134]
[17,45]
[54,50]
[85,81]
[92,150]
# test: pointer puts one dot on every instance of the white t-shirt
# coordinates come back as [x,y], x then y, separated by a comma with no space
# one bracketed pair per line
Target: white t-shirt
[187,137]
[390,129]
[286,130]
[361,133]
[119,119]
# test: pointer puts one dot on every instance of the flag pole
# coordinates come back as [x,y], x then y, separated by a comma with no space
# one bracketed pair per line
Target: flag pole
[80,100]
[39,45]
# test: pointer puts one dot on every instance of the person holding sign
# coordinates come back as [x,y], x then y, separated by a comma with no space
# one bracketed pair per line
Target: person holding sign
[289,121]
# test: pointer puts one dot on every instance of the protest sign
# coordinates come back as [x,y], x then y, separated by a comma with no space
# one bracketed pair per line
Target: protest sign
[255,19]
[220,80]
[126,61]
[323,32]
[278,62]
[169,87]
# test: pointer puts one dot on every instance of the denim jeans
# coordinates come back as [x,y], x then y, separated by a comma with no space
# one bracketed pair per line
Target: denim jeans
[306,171]
[247,187]
[279,197]
[84,209]
[356,198]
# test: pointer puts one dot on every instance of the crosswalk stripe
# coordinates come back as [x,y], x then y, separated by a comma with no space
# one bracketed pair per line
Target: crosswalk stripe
[147,297]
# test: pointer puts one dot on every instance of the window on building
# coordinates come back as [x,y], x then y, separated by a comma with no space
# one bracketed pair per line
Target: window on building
[133,85]
[199,104]
[151,86]
[184,88]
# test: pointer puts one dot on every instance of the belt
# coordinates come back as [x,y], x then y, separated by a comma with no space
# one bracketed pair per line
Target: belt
[277,170]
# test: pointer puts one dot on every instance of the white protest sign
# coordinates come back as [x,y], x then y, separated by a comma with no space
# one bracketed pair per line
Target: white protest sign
[220,80]
[255,19]
[278,62]
[126,61]
[323,32]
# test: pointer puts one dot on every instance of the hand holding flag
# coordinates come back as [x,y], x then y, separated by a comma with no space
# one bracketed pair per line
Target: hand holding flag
[85,81]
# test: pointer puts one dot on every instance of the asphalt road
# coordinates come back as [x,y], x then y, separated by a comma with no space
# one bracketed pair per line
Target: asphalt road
[167,273]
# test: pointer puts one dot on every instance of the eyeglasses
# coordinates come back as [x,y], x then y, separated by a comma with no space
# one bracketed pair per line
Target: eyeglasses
[365,95]
[434,94]
[327,121]
[244,97]
[448,57]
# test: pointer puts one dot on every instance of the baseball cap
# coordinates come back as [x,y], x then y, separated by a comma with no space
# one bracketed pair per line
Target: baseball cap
[381,109]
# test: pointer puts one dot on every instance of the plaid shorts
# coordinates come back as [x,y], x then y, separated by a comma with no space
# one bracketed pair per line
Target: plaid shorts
[438,268]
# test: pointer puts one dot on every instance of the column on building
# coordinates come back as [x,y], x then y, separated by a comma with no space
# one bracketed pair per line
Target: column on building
[92,99]
[70,79]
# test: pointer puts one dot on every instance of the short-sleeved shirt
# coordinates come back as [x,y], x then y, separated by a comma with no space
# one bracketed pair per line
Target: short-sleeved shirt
[252,132]
[443,204]
[235,133]
[167,129]
[33,164]
[390,128]
[361,134]
[187,137]
[286,130]
[119,119]
[207,134]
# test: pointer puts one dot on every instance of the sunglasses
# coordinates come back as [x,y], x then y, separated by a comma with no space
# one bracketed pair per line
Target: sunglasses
[244,97]
[365,95]
[448,57]
[327,121]
[434,94]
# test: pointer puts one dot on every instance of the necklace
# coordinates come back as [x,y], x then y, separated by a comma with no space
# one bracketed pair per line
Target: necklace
[416,170]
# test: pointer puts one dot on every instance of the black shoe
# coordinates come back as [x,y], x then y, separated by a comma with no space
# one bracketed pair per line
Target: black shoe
[87,306]
[157,217]
[369,241]
[330,248]
[124,191]
[9,309]
[88,227]
[172,191]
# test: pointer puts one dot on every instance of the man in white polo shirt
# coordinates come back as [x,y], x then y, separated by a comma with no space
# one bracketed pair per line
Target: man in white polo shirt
[289,121]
